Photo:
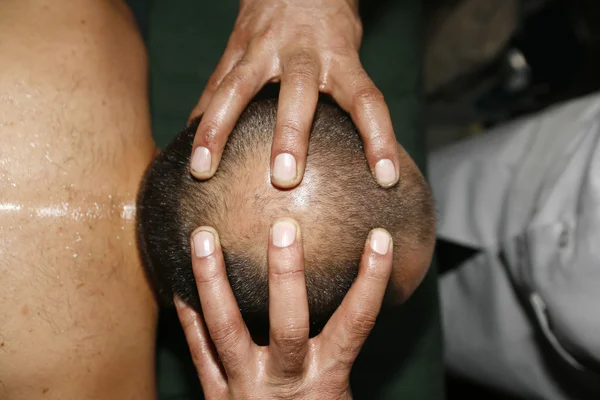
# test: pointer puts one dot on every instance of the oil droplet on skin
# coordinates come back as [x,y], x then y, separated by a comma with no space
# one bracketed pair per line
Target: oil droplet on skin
[10,207]
[125,211]
[128,211]
[114,209]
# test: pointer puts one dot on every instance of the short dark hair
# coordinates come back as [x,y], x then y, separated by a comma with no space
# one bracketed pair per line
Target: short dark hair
[343,198]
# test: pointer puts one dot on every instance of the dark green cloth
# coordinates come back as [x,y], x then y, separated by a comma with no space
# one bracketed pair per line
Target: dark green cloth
[402,358]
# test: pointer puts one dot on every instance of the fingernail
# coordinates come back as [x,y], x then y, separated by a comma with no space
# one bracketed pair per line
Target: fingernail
[204,244]
[201,160]
[178,302]
[385,173]
[283,233]
[284,167]
[380,241]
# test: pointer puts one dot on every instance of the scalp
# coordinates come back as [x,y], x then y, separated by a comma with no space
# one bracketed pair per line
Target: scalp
[337,203]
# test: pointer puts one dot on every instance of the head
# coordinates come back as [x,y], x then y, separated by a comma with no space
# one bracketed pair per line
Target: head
[337,203]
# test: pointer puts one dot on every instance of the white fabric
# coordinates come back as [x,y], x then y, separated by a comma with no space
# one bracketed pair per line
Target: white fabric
[527,194]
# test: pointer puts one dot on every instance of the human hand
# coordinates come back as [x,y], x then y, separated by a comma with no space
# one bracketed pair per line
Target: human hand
[308,46]
[231,366]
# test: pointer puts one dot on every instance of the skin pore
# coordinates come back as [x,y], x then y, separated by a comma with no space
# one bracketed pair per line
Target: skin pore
[77,317]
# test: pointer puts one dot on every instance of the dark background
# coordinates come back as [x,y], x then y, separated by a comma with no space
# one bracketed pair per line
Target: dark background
[472,88]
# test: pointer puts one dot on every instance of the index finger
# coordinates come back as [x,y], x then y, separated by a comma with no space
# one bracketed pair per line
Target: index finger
[346,331]
[356,93]
[226,105]
[230,58]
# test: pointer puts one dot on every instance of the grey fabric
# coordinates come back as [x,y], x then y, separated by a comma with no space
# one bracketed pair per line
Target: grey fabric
[523,314]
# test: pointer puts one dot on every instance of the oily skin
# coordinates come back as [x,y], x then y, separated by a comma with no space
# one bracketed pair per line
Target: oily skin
[310,47]
[77,317]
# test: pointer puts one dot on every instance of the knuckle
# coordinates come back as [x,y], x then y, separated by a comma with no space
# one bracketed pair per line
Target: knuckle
[207,274]
[244,64]
[290,365]
[304,32]
[213,82]
[360,323]
[196,353]
[265,35]
[286,275]
[287,375]
[241,76]
[367,96]
[284,391]
[225,334]
[205,277]
[378,144]
[236,79]
[228,356]
[187,324]
[300,75]
[207,132]
[343,49]
[290,336]
[289,130]
[302,66]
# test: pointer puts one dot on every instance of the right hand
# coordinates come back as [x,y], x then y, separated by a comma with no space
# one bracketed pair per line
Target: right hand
[231,366]
[309,47]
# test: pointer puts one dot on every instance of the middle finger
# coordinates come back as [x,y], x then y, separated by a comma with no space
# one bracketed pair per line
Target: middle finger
[288,304]
[298,98]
